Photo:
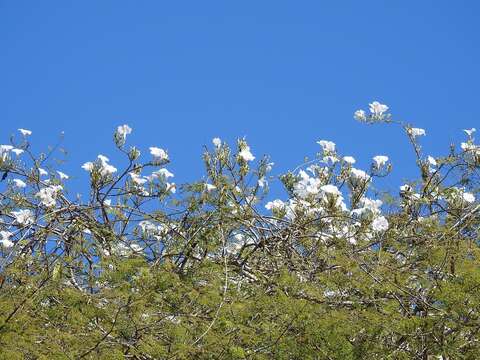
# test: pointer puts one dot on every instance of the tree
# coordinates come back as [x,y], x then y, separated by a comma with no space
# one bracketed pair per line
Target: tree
[143,271]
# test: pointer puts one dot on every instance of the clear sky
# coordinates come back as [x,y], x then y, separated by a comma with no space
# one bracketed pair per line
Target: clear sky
[282,73]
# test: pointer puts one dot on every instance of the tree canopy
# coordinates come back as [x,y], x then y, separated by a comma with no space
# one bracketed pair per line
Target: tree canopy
[143,268]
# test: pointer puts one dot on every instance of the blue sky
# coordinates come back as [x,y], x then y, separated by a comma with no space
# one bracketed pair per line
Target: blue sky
[282,73]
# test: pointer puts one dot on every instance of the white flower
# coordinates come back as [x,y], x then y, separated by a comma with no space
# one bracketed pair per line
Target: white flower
[262,182]
[137,179]
[42,172]
[103,159]
[171,187]
[209,187]
[360,115]
[245,154]
[358,175]
[123,131]
[18,151]
[48,195]
[105,169]
[62,175]
[405,188]
[25,132]
[330,189]
[349,160]
[275,204]
[380,161]
[369,206]
[19,183]
[159,155]
[380,224]
[431,160]
[470,131]
[471,148]
[23,217]
[150,229]
[217,142]
[416,132]
[136,247]
[468,197]
[4,149]
[5,239]
[307,185]
[378,109]
[329,159]
[327,146]
[161,174]
[88,166]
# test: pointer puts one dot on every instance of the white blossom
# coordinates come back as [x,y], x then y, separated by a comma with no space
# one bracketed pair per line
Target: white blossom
[307,185]
[19,183]
[472,151]
[5,239]
[327,146]
[380,161]
[275,204]
[88,166]
[209,187]
[431,160]
[123,131]
[137,179]
[103,159]
[18,152]
[468,197]
[380,224]
[162,174]
[330,189]
[4,150]
[246,154]
[159,155]
[23,217]
[62,175]
[416,132]
[368,206]
[105,168]
[108,169]
[359,176]
[360,115]
[349,160]
[25,132]
[42,172]
[217,142]
[330,159]
[378,109]
[171,187]
[147,226]
[48,195]
[470,132]
[262,182]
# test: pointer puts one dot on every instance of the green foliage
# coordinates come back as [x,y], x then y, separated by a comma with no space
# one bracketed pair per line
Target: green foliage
[138,271]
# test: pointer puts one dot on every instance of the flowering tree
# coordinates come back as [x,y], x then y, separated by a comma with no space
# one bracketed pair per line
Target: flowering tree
[146,269]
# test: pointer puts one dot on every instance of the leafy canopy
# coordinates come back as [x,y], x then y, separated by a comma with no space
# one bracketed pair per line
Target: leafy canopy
[143,268]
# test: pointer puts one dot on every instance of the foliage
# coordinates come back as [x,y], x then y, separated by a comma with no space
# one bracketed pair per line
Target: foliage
[146,269]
